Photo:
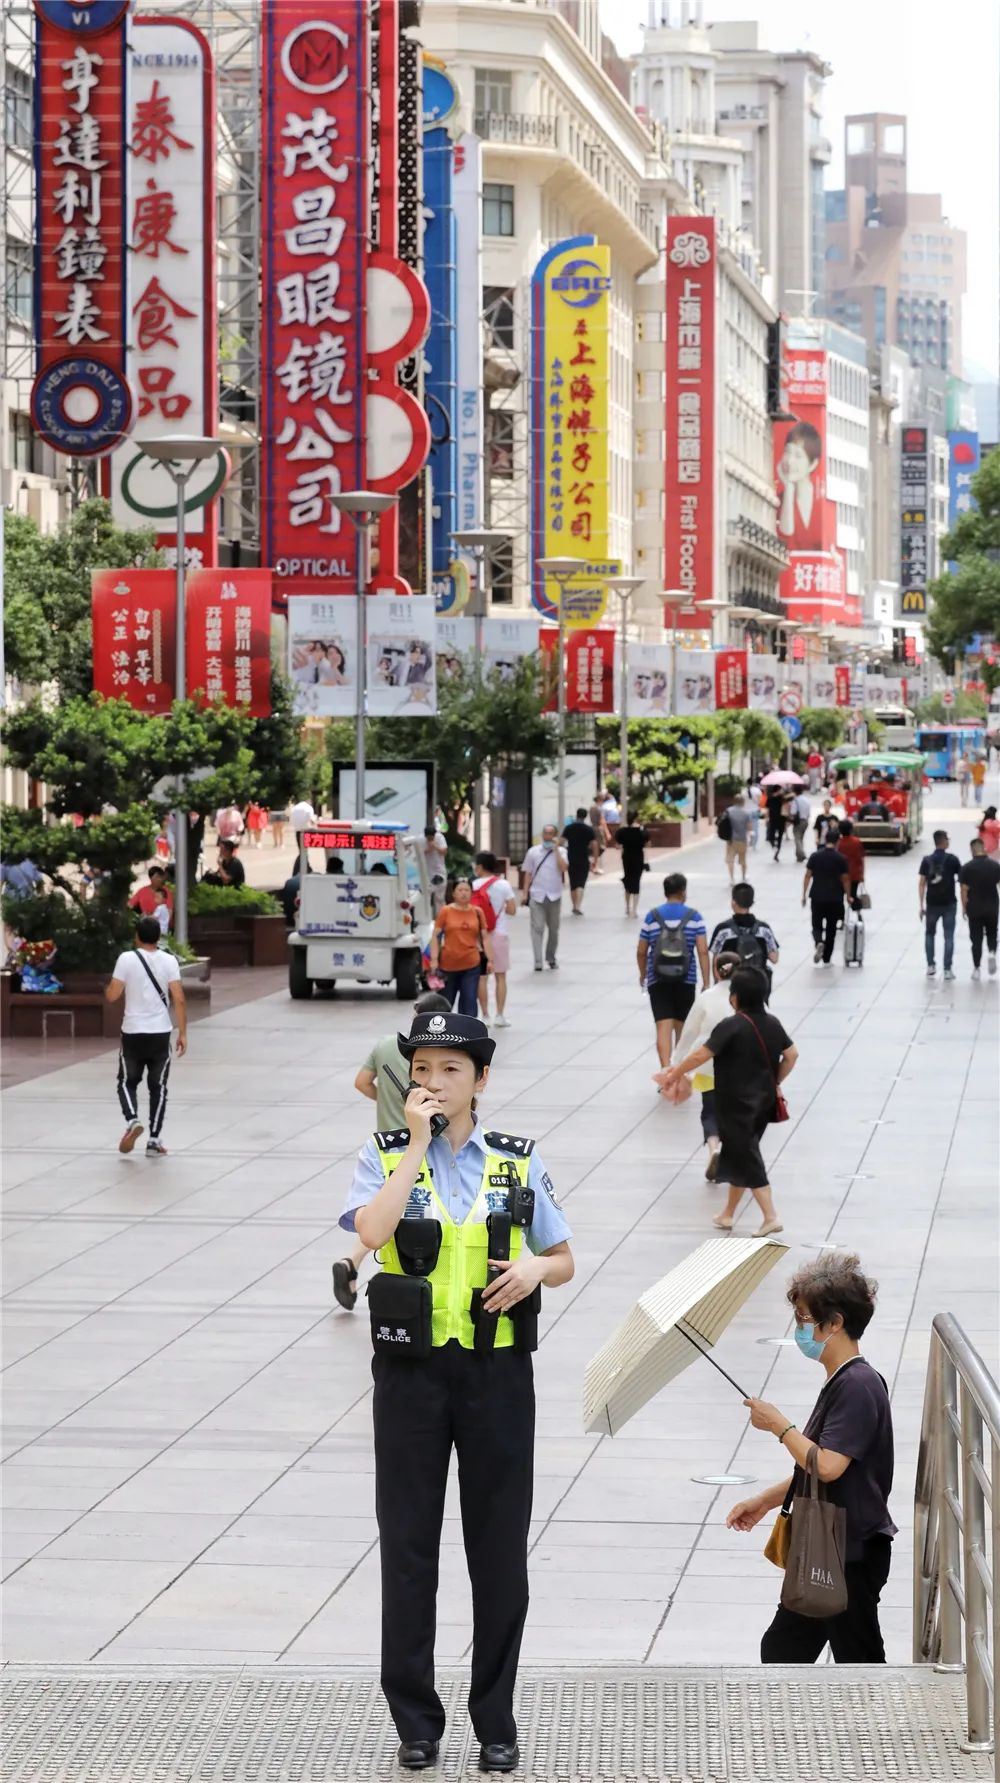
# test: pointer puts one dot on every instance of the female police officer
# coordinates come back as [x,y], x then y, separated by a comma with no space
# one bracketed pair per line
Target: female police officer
[468,1229]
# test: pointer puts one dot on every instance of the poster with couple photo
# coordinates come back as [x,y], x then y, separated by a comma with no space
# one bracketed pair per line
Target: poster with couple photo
[648,680]
[762,682]
[695,676]
[322,655]
[402,673]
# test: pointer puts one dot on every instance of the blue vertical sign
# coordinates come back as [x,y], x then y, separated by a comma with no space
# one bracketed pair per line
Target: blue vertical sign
[963,463]
[440,103]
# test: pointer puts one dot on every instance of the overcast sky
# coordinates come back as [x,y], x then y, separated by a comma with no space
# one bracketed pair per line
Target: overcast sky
[937,64]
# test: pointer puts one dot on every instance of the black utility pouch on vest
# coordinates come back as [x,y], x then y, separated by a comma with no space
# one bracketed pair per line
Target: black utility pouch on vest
[400,1307]
[418,1245]
[525,1317]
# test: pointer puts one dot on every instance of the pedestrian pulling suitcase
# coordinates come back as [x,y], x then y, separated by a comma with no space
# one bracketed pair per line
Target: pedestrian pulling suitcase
[854,940]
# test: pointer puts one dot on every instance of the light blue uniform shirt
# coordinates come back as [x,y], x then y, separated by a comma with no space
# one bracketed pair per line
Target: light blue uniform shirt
[458,1178]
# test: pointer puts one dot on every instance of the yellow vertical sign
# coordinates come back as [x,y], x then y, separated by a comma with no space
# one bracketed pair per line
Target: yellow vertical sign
[573,493]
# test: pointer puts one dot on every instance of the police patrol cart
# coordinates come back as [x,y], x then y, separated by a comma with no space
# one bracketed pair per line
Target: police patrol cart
[364,909]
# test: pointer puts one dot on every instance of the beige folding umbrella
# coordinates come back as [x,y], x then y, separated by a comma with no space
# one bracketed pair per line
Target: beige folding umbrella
[680,1317]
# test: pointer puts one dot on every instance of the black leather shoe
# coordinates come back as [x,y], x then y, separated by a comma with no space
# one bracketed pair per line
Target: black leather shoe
[418,1755]
[499,1757]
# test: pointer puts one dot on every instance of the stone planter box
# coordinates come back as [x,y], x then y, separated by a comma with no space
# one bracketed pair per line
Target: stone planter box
[666,834]
[196,976]
[240,940]
[77,1012]
[268,939]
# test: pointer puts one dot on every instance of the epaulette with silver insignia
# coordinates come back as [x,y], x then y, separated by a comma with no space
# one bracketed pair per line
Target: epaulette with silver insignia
[508,1142]
[392,1140]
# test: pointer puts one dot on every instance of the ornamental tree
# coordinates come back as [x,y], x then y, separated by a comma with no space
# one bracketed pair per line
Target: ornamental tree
[967,601]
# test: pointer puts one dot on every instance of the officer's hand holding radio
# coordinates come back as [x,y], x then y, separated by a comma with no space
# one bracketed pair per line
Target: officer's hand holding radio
[420,1106]
[515,1282]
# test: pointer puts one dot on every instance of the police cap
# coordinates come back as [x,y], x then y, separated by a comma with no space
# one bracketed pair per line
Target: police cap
[459,1033]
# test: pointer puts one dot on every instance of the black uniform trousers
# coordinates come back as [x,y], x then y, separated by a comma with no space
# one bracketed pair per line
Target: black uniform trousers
[855,1636]
[484,1406]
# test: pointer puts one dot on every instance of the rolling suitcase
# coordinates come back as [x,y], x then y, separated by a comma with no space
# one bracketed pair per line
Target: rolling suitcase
[854,940]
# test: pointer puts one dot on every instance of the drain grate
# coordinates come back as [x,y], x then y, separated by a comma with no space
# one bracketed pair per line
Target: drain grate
[831,1725]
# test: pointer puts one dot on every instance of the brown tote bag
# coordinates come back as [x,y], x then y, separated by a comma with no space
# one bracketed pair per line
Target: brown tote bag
[815,1581]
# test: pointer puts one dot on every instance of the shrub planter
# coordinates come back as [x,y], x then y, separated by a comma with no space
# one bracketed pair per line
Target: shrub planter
[268,936]
[77,1012]
[668,833]
[220,940]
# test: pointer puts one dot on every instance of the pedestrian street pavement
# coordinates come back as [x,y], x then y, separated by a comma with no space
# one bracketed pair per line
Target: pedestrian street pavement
[189,1476]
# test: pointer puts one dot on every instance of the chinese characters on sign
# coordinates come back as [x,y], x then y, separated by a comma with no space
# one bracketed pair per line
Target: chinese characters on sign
[172,294]
[316,210]
[570,308]
[589,668]
[814,585]
[227,636]
[730,679]
[914,534]
[80,400]
[133,614]
[963,463]
[690,410]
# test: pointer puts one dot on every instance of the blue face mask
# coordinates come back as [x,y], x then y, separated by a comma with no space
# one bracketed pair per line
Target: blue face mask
[808,1343]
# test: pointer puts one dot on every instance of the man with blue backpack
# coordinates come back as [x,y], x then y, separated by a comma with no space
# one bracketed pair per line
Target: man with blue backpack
[673,946]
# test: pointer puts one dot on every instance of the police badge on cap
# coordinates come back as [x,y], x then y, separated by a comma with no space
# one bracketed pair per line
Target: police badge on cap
[458,1033]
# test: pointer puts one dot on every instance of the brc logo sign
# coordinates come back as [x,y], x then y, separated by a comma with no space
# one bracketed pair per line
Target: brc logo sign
[581,284]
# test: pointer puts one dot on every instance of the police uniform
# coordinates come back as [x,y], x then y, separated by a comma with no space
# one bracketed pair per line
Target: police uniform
[449,1395]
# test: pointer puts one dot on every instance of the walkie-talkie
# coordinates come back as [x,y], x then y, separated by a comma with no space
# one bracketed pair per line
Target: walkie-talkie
[438,1121]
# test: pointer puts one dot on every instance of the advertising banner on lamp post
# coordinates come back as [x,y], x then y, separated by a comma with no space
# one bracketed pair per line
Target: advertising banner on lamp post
[695,682]
[730,680]
[316,212]
[133,614]
[762,682]
[80,401]
[229,637]
[648,680]
[822,686]
[322,655]
[570,383]
[689,538]
[589,668]
[402,681]
[172,307]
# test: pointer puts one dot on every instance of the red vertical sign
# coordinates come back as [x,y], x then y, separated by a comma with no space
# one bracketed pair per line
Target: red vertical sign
[589,668]
[133,613]
[229,637]
[842,683]
[317,142]
[80,401]
[730,679]
[689,543]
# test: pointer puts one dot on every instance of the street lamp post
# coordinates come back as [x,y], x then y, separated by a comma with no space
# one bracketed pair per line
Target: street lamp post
[361,506]
[561,569]
[178,454]
[675,598]
[481,542]
[624,587]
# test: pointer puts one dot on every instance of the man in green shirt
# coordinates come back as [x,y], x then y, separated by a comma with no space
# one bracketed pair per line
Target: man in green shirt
[374,1082]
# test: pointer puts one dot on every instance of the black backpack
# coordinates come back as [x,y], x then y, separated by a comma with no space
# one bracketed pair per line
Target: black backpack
[750,945]
[670,951]
[724,827]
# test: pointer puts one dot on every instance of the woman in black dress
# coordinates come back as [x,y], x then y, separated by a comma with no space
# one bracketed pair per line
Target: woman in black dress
[753,1055]
[631,838]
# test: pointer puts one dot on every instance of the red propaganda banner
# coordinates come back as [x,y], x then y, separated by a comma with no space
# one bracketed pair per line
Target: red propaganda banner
[134,614]
[80,401]
[689,554]
[730,679]
[316,209]
[842,683]
[229,637]
[589,668]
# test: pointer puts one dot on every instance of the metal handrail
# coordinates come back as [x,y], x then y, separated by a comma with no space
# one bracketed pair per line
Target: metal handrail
[956,1529]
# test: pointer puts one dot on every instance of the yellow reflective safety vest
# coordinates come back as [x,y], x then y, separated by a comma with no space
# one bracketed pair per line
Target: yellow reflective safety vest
[464,1253]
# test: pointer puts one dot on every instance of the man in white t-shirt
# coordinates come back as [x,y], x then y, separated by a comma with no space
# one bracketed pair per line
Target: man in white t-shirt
[500,892]
[150,982]
[543,875]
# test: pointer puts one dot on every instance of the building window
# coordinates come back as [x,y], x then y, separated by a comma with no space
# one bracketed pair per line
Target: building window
[500,442]
[20,280]
[502,573]
[20,441]
[498,209]
[493,91]
[498,309]
[17,107]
